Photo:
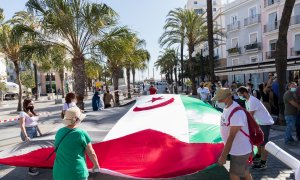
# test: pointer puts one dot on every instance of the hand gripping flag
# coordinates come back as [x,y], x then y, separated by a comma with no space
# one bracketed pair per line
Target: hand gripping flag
[161,136]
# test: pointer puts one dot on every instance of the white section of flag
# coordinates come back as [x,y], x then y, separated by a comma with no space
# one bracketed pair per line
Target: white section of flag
[170,119]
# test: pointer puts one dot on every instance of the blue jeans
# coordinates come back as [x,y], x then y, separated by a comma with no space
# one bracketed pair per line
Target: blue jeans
[290,124]
[31,132]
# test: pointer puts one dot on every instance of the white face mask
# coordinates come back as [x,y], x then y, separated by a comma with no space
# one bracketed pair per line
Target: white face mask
[221,105]
[293,89]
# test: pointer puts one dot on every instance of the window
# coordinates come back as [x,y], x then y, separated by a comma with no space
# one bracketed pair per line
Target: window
[233,19]
[235,62]
[214,3]
[234,42]
[273,45]
[253,59]
[195,2]
[273,21]
[253,38]
[214,9]
[199,11]
[252,12]
[297,43]
[297,9]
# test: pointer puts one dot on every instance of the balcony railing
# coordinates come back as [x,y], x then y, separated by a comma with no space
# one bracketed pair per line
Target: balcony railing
[235,26]
[295,52]
[271,27]
[252,20]
[235,50]
[295,20]
[270,2]
[270,54]
[253,46]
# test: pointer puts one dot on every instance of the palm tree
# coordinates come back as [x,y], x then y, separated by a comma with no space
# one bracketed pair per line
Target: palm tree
[166,62]
[210,32]
[116,45]
[175,32]
[73,25]
[140,65]
[281,52]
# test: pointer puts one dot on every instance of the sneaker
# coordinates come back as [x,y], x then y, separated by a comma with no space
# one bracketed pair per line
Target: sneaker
[33,171]
[259,166]
[256,160]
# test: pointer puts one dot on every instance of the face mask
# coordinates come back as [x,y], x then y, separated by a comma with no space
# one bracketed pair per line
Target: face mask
[201,86]
[242,98]
[221,105]
[30,108]
[293,89]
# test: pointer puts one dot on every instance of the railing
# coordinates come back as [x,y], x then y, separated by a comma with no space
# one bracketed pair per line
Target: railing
[252,20]
[270,2]
[295,20]
[271,27]
[235,26]
[253,46]
[295,52]
[235,50]
[270,54]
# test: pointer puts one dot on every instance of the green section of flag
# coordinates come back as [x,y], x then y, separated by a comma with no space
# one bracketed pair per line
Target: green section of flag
[199,111]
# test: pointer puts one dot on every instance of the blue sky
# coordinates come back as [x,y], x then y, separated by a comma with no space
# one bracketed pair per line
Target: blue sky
[146,17]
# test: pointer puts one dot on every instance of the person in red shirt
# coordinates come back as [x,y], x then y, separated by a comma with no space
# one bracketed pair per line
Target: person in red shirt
[152,90]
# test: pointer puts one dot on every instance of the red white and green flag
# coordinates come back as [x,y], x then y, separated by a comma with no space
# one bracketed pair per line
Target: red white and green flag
[161,136]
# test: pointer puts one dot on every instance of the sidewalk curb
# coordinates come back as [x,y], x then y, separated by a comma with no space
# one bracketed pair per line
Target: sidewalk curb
[128,103]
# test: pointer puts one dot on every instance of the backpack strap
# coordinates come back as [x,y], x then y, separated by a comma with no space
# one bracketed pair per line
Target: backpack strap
[232,112]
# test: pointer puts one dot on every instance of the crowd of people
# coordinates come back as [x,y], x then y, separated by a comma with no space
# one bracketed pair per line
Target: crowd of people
[71,142]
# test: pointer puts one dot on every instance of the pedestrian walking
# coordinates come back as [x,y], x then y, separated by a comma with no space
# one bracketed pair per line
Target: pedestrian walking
[71,143]
[263,118]
[167,91]
[107,97]
[235,142]
[203,92]
[97,102]
[29,126]
[291,108]
[152,90]
[70,101]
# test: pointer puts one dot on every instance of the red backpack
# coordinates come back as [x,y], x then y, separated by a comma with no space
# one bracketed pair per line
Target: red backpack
[256,135]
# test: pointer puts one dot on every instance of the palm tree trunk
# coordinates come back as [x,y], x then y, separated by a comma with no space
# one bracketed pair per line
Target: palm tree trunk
[36,82]
[115,77]
[62,80]
[17,69]
[281,52]
[128,82]
[192,72]
[133,76]
[210,32]
[181,60]
[79,76]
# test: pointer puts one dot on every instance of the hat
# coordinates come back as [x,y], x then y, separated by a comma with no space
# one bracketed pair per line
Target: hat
[221,94]
[72,113]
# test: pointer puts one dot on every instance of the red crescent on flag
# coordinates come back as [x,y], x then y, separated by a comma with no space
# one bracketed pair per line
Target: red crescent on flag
[136,109]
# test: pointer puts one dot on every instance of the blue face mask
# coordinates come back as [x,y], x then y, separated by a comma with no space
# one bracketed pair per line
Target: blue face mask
[293,89]
[242,98]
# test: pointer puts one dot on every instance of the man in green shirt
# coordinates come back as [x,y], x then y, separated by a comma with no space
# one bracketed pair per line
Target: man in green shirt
[290,112]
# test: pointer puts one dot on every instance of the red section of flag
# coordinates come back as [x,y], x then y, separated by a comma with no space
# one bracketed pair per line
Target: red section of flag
[162,104]
[145,154]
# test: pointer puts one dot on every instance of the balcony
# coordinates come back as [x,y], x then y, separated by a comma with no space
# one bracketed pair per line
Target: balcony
[252,47]
[233,27]
[270,2]
[270,54]
[271,27]
[252,20]
[235,50]
[295,20]
[295,52]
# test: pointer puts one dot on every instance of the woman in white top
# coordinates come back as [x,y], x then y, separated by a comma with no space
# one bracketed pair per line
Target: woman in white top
[70,101]
[29,126]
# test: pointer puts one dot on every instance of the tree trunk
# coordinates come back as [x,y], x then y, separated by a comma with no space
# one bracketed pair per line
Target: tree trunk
[171,75]
[79,76]
[17,69]
[133,76]
[281,53]
[181,60]
[210,33]
[128,82]
[36,82]
[192,72]
[62,82]
[115,77]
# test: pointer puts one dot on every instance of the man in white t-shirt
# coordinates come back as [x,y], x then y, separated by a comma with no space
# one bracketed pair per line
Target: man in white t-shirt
[263,119]
[236,143]
[203,92]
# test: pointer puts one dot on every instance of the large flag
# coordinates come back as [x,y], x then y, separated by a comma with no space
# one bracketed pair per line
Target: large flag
[161,136]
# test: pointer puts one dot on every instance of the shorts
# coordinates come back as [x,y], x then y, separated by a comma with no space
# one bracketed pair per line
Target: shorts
[239,165]
[266,131]
[31,132]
